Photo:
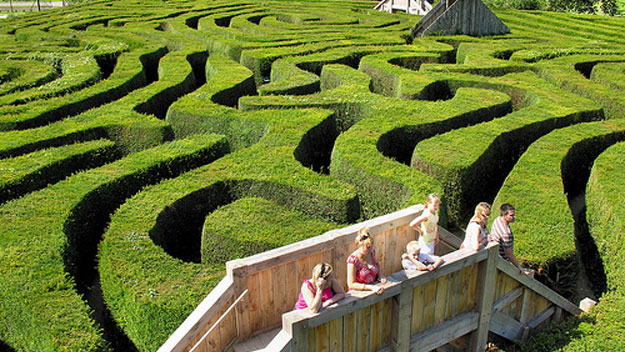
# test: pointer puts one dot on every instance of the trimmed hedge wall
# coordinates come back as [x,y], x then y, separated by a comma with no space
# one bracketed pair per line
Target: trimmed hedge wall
[551,168]
[402,117]
[39,308]
[162,225]
[470,162]
[252,225]
[34,171]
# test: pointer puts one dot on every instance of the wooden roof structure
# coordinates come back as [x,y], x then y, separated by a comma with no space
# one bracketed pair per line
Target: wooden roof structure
[451,17]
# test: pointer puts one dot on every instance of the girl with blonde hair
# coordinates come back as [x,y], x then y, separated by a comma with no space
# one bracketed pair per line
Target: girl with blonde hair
[476,236]
[321,290]
[426,224]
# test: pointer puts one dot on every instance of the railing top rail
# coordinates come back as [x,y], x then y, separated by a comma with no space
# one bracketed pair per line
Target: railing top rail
[356,300]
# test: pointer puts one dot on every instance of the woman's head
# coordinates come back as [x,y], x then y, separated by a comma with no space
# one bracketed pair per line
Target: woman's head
[433,200]
[364,238]
[322,270]
[482,211]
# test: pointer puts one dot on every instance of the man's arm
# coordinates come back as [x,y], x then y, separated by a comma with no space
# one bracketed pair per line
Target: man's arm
[512,258]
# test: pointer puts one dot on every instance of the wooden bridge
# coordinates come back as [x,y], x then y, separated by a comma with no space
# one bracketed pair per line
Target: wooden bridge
[453,307]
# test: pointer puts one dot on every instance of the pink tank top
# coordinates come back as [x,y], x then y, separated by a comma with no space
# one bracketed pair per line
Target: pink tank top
[365,274]
[326,294]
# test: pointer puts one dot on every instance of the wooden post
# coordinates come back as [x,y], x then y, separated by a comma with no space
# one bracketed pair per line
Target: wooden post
[485,295]
[401,319]
[299,334]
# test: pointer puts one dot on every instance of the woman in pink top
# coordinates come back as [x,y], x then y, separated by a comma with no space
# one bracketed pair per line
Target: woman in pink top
[321,290]
[362,269]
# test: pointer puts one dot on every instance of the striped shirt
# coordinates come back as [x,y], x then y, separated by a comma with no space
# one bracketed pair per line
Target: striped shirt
[501,233]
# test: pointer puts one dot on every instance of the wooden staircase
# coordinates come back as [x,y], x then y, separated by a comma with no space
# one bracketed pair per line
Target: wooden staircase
[452,308]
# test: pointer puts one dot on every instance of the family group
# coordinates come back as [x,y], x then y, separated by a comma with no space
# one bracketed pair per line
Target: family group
[363,272]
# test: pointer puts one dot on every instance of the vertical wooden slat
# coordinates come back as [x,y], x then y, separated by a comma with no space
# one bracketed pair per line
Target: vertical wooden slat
[322,338]
[300,341]
[335,328]
[266,294]
[441,299]
[429,304]
[282,303]
[227,328]
[254,301]
[452,296]
[377,324]
[390,243]
[349,332]
[388,308]
[472,286]
[363,333]
[463,291]
[292,285]
[417,309]
[525,306]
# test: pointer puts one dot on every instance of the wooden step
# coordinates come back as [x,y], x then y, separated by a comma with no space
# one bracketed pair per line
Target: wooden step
[256,343]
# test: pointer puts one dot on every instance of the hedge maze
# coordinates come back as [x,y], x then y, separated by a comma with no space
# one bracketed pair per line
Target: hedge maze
[144,144]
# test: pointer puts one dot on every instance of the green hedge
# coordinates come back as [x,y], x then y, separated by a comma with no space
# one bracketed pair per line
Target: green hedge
[552,167]
[27,74]
[469,162]
[39,307]
[77,72]
[28,173]
[611,75]
[208,108]
[566,72]
[602,328]
[150,301]
[253,225]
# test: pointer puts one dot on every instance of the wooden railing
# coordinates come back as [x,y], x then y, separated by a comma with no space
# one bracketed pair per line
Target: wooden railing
[470,294]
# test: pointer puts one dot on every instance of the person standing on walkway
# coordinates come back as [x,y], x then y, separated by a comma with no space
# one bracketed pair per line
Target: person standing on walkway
[501,233]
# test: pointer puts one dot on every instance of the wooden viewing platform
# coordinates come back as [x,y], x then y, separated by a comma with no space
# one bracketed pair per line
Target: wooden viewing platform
[454,306]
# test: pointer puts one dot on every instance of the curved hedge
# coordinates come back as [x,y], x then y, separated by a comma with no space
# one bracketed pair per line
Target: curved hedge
[329,113]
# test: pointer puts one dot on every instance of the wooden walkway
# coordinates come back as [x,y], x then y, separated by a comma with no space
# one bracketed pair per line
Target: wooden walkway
[457,304]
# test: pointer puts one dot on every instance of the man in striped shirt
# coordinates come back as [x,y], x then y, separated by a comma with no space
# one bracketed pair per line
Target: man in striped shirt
[501,233]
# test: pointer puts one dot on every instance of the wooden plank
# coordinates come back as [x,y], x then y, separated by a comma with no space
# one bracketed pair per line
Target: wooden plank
[508,298]
[363,329]
[442,285]
[463,290]
[339,262]
[471,301]
[227,328]
[381,245]
[377,324]
[537,287]
[388,308]
[322,338]
[417,309]
[511,285]
[349,332]
[504,325]
[299,342]
[267,296]
[441,334]
[254,302]
[525,306]
[390,259]
[541,318]
[292,285]
[452,290]
[401,315]
[429,304]
[485,297]
[335,339]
